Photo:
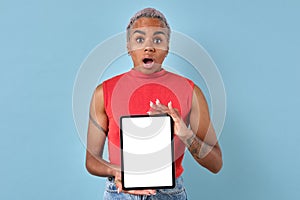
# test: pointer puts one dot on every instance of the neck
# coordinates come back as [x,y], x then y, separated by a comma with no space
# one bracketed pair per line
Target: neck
[147,71]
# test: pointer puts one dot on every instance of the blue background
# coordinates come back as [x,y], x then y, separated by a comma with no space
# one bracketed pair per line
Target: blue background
[255,45]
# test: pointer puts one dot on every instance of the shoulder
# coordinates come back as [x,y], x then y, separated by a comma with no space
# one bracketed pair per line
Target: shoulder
[116,77]
[104,90]
[180,77]
[98,92]
[199,98]
[110,83]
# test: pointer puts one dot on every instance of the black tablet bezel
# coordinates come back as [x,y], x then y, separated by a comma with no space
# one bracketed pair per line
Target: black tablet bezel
[172,149]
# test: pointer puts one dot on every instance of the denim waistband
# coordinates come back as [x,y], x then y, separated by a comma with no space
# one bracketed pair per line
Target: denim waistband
[178,192]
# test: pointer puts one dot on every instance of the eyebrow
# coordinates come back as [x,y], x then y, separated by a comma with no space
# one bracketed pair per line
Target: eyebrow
[143,33]
[159,32]
[139,31]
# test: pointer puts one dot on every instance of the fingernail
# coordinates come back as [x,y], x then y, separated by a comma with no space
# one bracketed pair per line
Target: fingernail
[157,102]
[118,190]
[170,104]
[151,103]
[149,112]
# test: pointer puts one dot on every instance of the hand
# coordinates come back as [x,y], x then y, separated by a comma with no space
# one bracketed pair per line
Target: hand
[118,182]
[180,127]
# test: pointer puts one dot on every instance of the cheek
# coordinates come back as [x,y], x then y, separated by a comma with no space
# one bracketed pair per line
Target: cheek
[162,54]
[136,55]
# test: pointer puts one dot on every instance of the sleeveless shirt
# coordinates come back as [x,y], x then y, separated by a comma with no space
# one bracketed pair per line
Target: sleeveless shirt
[130,93]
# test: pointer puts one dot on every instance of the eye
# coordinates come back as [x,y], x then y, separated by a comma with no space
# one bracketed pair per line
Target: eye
[139,40]
[157,40]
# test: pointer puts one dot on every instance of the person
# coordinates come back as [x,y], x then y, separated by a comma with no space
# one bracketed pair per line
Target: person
[149,88]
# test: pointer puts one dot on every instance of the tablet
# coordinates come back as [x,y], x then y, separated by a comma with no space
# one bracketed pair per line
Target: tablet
[147,152]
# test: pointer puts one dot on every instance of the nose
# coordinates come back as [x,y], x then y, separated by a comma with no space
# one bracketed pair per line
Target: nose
[149,46]
[149,49]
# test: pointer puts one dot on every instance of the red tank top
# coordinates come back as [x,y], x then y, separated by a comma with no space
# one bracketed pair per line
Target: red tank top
[130,93]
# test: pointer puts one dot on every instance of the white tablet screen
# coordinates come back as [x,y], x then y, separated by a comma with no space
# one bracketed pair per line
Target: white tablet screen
[147,152]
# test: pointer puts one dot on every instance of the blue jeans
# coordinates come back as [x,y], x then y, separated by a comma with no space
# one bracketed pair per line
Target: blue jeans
[177,193]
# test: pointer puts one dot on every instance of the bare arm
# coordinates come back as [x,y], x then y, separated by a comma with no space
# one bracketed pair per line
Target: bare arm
[97,127]
[201,140]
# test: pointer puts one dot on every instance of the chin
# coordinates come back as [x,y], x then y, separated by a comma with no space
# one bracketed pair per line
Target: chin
[148,70]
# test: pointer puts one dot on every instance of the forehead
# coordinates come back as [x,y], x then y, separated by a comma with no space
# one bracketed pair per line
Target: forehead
[149,26]
[149,31]
[148,22]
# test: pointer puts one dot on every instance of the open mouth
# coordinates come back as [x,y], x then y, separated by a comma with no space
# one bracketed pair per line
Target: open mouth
[148,62]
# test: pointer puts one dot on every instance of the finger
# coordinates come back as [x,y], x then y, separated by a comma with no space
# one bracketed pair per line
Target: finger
[158,108]
[170,106]
[153,106]
[118,183]
[141,192]
[153,192]
[153,112]
[157,101]
[173,112]
[161,106]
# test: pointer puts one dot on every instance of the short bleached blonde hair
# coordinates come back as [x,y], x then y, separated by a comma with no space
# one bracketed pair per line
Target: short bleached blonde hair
[150,13]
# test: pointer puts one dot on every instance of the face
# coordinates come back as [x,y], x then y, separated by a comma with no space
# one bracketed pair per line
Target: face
[148,44]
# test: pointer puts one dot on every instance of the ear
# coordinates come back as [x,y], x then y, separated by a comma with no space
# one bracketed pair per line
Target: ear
[167,51]
[128,48]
